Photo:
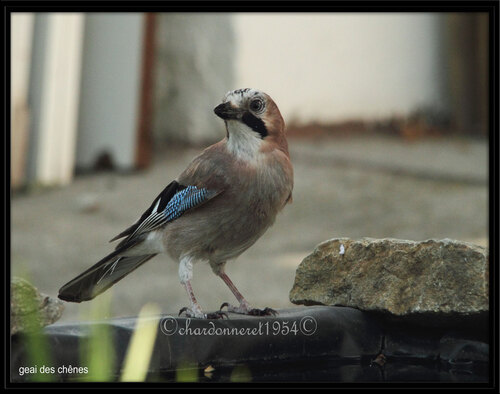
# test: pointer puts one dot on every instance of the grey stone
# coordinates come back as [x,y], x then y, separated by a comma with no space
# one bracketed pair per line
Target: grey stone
[399,277]
[30,309]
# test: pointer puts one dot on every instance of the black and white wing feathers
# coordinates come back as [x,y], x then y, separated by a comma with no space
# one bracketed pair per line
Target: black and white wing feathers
[171,203]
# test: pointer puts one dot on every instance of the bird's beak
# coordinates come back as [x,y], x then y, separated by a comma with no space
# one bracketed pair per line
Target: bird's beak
[227,111]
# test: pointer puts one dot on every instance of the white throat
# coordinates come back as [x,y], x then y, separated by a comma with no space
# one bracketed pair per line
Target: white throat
[243,142]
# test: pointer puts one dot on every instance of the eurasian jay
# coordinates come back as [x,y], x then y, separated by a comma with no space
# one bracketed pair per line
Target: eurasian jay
[218,207]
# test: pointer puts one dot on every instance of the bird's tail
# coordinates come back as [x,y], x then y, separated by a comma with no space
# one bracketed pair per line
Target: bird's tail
[101,276]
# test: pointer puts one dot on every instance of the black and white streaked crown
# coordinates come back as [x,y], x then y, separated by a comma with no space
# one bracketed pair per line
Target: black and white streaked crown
[239,94]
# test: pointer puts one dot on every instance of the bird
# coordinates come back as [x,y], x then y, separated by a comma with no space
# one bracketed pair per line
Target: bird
[219,206]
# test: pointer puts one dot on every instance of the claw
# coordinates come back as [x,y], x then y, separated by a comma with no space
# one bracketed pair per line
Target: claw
[245,310]
[192,314]
[217,315]
[201,315]
[262,312]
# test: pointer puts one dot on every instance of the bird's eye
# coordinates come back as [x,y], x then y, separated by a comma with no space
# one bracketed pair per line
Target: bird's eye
[257,105]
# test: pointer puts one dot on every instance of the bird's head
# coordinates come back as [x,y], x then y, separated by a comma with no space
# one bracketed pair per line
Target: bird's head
[250,114]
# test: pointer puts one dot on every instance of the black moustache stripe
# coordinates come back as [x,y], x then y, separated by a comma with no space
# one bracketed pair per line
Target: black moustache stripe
[255,124]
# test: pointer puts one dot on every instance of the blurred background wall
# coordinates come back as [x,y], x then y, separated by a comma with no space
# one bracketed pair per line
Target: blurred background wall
[344,65]
[103,89]
[195,67]
[110,89]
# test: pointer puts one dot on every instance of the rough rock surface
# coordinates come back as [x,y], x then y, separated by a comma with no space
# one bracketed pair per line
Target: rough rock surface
[30,309]
[396,276]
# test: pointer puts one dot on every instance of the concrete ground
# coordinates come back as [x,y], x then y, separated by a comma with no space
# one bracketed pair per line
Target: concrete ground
[358,187]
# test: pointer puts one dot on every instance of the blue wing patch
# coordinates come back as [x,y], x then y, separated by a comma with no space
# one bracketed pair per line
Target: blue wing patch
[186,199]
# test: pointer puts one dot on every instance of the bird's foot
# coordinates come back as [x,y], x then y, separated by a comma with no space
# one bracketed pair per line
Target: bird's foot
[216,315]
[197,313]
[245,309]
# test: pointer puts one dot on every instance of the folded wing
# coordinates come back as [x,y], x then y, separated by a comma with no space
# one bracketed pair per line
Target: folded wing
[174,201]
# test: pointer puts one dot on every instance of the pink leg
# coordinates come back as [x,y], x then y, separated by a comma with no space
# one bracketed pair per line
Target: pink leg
[195,310]
[185,275]
[244,306]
